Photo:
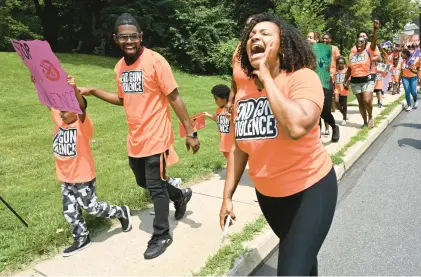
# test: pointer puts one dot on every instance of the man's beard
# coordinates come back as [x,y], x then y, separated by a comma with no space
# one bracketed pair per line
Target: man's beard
[132,59]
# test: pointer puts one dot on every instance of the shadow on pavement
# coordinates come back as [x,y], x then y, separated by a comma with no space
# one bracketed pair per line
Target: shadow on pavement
[409,125]
[410,142]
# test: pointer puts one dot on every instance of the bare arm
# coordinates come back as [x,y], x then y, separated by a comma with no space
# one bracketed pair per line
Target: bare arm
[106,96]
[211,116]
[375,35]
[82,105]
[347,75]
[297,116]
[237,162]
[181,111]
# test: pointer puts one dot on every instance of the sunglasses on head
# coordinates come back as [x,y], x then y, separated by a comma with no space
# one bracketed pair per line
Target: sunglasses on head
[125,37]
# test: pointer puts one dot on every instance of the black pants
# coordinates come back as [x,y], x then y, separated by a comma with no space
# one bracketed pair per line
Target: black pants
[301,221]
[148,175]
[327,109]
[343,105]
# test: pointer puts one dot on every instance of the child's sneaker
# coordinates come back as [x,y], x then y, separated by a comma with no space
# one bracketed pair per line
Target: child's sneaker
[416,104]
[126,221]
[343,122]
[176,182]
[76,247]
[380,105]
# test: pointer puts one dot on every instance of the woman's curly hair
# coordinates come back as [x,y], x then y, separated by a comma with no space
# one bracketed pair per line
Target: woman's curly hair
[294,52]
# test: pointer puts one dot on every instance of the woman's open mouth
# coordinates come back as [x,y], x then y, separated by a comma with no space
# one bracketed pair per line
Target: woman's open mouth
[257,51]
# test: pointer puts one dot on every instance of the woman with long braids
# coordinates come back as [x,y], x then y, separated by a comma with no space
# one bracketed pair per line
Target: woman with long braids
[276,132]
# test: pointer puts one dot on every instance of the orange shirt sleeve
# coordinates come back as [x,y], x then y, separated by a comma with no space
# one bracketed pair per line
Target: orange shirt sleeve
[305,84]
[164,76]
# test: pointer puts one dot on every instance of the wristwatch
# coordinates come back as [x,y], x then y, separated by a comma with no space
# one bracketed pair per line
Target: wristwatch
[192,135]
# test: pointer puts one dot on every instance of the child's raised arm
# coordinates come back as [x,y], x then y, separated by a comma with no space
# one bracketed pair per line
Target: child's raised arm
[71,81]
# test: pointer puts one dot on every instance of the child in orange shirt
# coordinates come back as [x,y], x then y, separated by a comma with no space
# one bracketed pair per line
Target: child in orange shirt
[378,86]
[221,94]
[341,94]
[76,171]
[396,72]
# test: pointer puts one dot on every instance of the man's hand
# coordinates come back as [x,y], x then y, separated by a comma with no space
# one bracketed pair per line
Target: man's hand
[192,143]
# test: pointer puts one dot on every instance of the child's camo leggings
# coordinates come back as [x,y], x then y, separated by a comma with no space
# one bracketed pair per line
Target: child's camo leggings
[82,196]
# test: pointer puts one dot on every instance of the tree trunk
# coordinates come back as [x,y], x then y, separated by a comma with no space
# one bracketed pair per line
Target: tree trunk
[49,21]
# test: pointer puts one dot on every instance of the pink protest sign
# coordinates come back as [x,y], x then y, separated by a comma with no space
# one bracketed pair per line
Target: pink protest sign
[50,79]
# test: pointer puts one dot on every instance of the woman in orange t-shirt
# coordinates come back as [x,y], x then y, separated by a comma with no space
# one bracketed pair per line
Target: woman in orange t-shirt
[276,132]
[409,76]
[363,75]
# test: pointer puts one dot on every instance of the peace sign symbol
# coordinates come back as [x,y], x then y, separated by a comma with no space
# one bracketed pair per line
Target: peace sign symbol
[49,71]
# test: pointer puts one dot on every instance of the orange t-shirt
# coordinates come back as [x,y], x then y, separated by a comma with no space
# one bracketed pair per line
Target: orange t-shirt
[335,54]
[390,57]
[278,165]
[225,130]
[396,73]
[144,86]
[360,63]
[406,72]
[376,53]
[339,82]
[72,150]
[379,80]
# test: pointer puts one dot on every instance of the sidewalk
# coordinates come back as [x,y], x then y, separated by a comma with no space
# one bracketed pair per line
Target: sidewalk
[196,237]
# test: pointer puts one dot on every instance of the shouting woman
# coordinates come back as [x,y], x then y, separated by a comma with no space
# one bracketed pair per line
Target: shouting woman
[276,132]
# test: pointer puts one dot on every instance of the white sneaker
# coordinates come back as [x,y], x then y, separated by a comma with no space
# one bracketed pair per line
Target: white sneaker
[408,108]
[176,182]
[343,122]
[416,104]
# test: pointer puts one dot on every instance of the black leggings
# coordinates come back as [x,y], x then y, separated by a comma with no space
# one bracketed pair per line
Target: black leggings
[327,109]
[301,221]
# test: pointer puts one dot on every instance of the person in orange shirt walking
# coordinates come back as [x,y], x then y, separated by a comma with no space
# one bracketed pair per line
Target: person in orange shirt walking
[362,70]
[146,88]
[276,132]
[221,94]
[341,94]
[395,70]
[75,170]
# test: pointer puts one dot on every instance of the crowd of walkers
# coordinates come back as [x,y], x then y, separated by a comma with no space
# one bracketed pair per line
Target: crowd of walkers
[270,118]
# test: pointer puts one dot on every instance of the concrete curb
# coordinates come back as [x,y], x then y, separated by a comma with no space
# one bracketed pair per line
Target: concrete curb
[264,244]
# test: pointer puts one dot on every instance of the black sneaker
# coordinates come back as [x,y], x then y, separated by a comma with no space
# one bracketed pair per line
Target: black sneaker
[181,205]
[126,221]
[157,246]
[76,247]
[335,134]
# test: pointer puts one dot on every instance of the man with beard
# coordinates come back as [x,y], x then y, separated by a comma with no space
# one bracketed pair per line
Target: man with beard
[146,86]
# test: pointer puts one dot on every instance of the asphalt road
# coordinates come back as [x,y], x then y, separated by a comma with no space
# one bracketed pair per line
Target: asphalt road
[377,224]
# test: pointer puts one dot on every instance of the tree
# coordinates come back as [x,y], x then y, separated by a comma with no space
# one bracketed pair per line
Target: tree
[394,14]
[17,22]
[47,13]
[199,27]
[307,15]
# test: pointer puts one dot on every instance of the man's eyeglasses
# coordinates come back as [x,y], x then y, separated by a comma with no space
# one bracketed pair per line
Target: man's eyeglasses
[125,37]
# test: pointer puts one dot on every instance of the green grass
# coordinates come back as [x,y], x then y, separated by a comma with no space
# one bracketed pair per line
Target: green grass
[337,158]
[27,170]
[223,260]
